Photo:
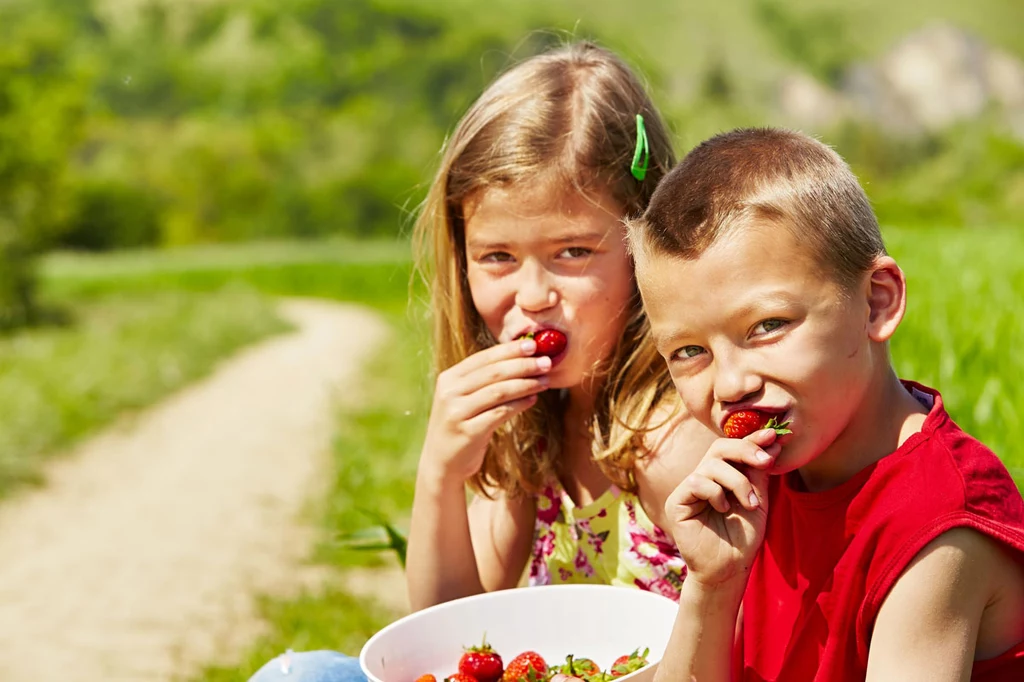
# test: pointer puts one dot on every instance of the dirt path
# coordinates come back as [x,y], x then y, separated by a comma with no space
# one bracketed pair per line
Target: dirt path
[139,558]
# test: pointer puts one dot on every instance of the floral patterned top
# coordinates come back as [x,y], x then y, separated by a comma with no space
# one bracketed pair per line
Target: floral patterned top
[609,541]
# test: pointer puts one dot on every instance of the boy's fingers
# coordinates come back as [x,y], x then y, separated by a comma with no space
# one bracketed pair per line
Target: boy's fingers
[704,488]
[732,480]
[742,451]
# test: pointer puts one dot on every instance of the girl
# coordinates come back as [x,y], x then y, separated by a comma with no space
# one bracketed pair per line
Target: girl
[571,457]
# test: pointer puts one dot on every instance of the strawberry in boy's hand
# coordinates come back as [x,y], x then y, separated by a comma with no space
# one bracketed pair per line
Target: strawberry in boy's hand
[550,342]
[742,423]
[527,666]
[482,663]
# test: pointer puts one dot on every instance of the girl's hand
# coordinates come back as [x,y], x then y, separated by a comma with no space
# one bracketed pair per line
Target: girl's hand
[717,514]
[476,396]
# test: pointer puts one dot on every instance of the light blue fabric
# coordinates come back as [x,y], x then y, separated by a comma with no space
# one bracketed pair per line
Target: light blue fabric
[311,666]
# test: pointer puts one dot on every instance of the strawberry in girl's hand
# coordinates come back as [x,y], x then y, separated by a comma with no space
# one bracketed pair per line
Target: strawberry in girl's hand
[482,663]
[625,665]
[550,342]
[426,678]
[527,667]
[742,423]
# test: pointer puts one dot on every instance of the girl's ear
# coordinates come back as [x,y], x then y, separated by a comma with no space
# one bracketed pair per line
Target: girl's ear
[887,298]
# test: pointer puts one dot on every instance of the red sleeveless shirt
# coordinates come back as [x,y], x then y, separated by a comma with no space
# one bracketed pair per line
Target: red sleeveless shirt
[830,558]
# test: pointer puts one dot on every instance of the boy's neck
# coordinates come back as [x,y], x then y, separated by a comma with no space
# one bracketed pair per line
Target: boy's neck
[888,416]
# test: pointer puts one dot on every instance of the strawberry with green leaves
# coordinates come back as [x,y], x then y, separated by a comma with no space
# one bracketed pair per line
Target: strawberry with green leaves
[742,423]
[582,668]
[624,665]
[528,666]
[482,663]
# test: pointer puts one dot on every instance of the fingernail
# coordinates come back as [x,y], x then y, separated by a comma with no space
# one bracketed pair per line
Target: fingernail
[543,381]
[528,346]
[763,457]
[753,499]
[543,363]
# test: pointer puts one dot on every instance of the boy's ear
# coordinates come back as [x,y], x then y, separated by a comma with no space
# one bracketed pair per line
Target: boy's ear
[887,298]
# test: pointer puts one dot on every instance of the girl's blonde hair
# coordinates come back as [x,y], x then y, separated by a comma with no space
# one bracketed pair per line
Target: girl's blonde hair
[567,116]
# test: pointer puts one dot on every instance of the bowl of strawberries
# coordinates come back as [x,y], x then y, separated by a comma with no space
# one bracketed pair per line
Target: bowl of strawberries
[556,633]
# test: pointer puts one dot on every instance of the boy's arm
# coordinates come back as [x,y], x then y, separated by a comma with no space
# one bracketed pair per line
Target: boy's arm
[704,634]
[927,628]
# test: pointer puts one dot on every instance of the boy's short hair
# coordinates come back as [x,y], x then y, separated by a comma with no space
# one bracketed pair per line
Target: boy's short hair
[765,175]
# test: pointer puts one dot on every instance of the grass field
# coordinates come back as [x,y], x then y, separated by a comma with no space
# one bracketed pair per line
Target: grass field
[120,352]
[965,321]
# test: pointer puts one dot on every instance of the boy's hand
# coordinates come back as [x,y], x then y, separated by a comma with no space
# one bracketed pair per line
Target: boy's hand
[473,398]
[717,514]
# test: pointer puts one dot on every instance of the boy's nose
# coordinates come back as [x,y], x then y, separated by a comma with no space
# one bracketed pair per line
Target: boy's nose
[536,291]
[734,381]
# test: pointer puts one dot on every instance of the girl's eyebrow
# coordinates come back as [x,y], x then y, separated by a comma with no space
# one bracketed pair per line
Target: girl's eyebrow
[573,237]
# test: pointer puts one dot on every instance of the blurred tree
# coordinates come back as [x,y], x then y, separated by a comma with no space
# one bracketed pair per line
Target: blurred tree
[41,111]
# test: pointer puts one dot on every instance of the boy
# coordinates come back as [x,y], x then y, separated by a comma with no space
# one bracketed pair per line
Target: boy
[870,538]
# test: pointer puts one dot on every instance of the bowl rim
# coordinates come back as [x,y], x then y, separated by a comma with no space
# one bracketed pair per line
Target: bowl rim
[496,594]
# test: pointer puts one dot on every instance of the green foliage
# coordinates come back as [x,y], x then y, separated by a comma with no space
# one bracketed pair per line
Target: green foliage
[816,40]
[41,110]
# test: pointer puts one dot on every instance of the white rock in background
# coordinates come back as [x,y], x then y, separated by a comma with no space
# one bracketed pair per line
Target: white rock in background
[934,78]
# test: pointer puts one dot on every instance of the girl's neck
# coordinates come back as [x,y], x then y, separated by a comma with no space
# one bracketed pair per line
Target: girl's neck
[583,479]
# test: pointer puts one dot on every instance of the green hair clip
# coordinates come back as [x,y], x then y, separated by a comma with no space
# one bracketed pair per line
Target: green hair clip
[643,149]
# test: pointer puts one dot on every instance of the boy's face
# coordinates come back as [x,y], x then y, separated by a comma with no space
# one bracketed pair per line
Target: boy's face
[753,324]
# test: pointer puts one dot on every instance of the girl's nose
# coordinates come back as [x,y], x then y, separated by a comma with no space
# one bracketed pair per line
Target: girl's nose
[536,290]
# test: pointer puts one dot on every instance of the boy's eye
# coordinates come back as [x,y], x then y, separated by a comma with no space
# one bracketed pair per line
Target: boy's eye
[689,352]
[768,326]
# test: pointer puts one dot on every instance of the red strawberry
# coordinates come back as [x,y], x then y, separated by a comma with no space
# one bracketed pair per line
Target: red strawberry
[482,663]
[550,342]
[625,665]
[460,677]
[527,666]
[426,678]
[742,423]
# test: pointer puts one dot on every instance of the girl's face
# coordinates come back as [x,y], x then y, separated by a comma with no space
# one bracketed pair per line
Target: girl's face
[540,258]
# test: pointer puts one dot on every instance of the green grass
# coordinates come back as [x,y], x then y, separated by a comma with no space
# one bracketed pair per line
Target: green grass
[965,327]
[120,352]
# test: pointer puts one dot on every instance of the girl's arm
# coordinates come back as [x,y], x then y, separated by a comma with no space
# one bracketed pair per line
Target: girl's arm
[457,552]
[471,400]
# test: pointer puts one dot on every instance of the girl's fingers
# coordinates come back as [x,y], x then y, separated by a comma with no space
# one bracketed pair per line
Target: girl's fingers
[494,395]
[488,420]
[522,348]
[515,368]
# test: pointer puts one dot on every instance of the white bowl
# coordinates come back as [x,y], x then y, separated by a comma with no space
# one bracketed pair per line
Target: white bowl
[599,622]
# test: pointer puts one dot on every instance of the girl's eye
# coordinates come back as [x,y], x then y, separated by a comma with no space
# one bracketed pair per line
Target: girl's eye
[577,252]
[768,326]
[496,257]
[689,352]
